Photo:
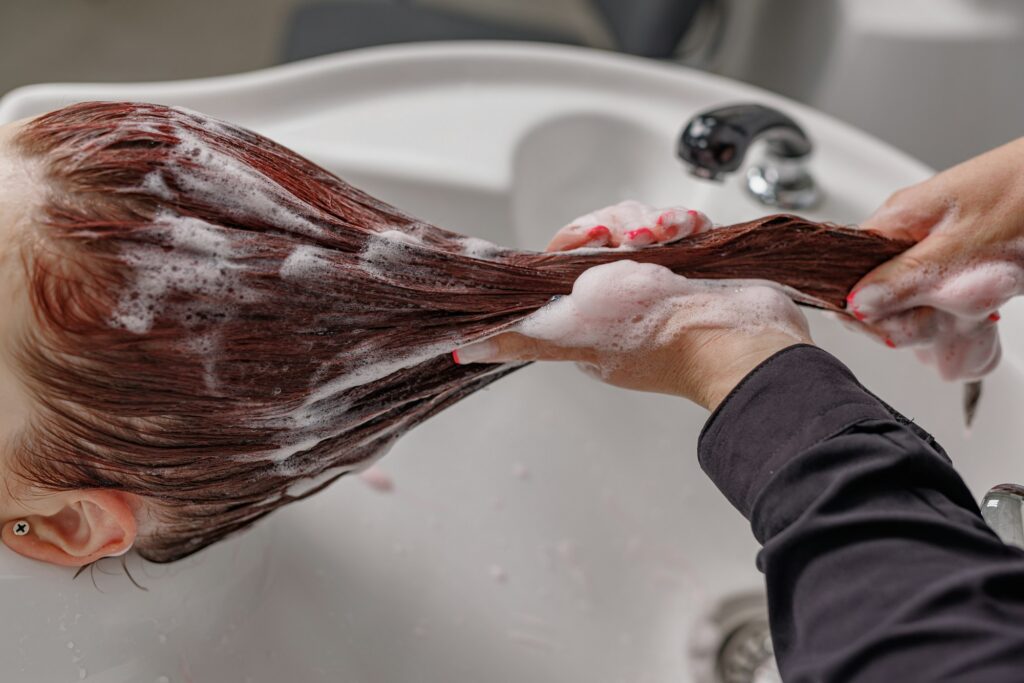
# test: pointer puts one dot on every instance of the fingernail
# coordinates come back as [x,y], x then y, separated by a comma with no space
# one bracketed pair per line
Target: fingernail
[994,317]
[693,212]
[852,307]
[890,343]
[635,235]
[598,231]
[475,353]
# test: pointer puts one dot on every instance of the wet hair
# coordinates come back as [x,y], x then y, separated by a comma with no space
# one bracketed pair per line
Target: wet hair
[223,327]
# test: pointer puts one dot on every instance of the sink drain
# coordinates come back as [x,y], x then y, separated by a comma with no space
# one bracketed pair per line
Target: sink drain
[747,657]
[733,644]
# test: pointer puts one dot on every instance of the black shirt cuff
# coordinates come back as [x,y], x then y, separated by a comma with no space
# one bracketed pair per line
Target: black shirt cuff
[793,400]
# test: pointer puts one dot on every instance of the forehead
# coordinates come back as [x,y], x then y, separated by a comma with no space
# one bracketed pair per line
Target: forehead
[18,199]
[19,193]
[21,188]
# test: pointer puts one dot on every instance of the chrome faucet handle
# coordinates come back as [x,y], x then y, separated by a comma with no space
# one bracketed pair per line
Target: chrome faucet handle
[714,144]
[1003,510]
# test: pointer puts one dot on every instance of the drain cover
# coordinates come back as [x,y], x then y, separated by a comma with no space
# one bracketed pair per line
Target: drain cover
[747,657]
[732,643]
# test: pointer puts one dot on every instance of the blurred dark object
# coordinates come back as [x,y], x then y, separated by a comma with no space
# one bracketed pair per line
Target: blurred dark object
[649,28]
[972,396]
[326,27]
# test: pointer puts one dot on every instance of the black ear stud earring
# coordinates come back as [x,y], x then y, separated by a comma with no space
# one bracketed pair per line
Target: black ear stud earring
[21,527]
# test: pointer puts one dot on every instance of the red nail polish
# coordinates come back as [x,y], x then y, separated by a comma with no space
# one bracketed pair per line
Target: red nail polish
[890,343]
[849,297]
[633,234]
[598,230]
[661,218]
[858,315]
[692,212]
[455,357]
[994,317]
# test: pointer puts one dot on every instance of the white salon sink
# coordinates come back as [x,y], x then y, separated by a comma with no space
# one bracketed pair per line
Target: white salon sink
[547,529]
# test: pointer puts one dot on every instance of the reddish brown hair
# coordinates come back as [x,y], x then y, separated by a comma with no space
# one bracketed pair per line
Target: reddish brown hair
[213,312]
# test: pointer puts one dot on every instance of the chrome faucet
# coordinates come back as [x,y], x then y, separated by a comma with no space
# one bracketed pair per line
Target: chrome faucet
[1003,509]
[715,143]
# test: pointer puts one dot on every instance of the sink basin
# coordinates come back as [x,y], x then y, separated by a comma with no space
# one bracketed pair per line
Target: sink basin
[549,528]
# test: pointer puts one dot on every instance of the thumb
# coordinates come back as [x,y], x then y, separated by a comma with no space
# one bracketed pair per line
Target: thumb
[897,284]
[513,346]
[910,214]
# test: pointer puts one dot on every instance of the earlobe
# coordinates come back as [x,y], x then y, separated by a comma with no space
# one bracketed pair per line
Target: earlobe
[74,528]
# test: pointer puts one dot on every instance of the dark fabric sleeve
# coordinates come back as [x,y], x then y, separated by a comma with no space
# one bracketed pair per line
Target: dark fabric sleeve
[877,562]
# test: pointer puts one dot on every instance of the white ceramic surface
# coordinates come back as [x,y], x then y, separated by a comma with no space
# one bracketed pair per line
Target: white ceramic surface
[547,529]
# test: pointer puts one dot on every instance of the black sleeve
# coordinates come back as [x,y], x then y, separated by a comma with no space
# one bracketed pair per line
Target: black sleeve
[877,562]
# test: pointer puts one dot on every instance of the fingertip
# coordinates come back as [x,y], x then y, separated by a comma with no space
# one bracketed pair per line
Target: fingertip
[478,352]
[575,237]
[640,237]
[869,302]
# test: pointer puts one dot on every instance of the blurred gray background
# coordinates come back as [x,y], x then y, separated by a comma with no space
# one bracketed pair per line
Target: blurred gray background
[132,40]
[941,79]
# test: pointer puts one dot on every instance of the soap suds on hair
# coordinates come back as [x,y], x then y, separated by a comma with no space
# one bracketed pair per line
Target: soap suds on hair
[235,187]
[305,261]
[185,256]
[384,254]
[479,248]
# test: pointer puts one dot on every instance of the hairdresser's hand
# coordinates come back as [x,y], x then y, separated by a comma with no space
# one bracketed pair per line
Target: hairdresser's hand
[639,326]
[942,295]
[629,224]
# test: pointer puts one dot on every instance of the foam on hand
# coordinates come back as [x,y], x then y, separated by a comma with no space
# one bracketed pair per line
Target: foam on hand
[625,306]
[947,312]
[631,225]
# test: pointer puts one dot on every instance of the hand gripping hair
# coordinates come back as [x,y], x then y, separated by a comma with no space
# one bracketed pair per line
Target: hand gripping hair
[223,327]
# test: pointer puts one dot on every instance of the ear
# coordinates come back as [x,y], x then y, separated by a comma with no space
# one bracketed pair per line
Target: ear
[74,528]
